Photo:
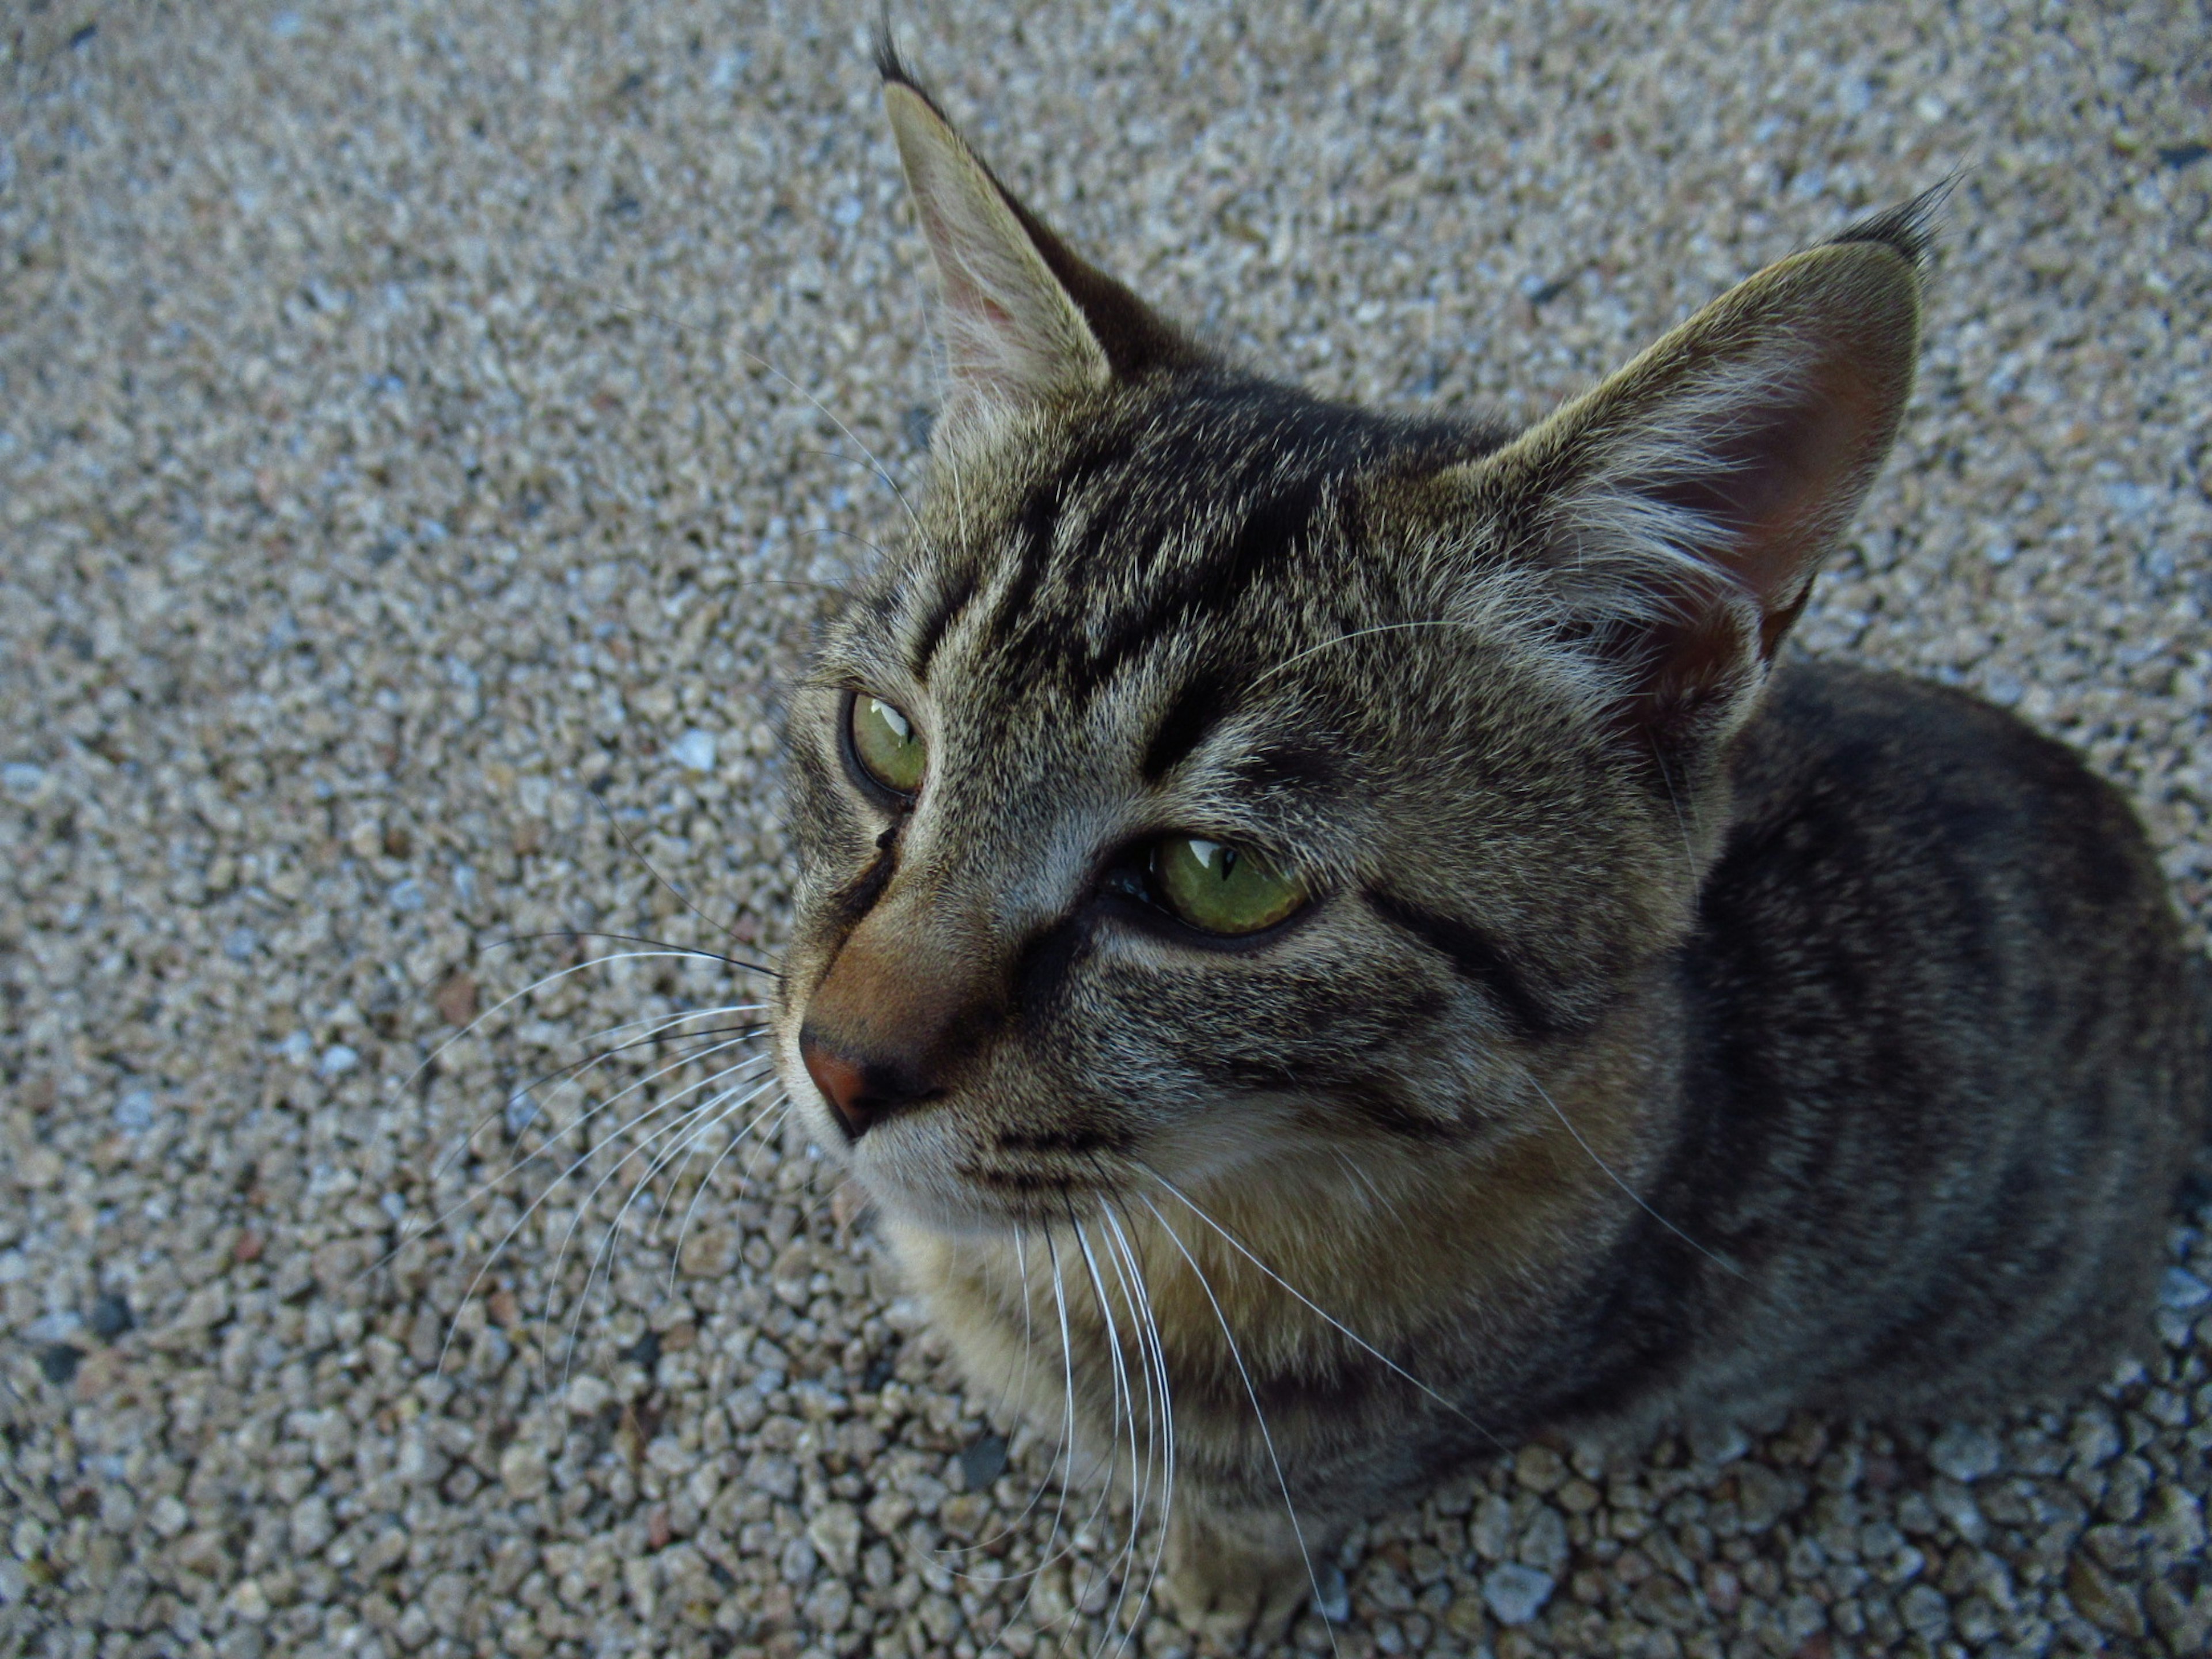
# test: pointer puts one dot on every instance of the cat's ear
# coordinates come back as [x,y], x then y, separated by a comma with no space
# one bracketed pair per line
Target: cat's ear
[1026,321]
[1683,507]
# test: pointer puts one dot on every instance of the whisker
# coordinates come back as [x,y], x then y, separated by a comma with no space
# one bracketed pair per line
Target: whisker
[1358,633]
[1062,1459]
[783,1110]
[525,1161]
[1067,1371]
[554,1186]
[663,948]
[1139,1461]
[441,1218]
[1158,1425]
[798,582]
[686,1130]
[1118,1378]
[833,528]
[675,1181]
[584,1205]
[1068,1439]
[581,1068]
[1545,1094]
[1359,1175]
[1342,1329]
[1112,1215]
[469,1030]
[1029,1332]
[1031,1573]
[735,1140]
[1259,1417]
[821,408]
[1007,1397]
[729,930]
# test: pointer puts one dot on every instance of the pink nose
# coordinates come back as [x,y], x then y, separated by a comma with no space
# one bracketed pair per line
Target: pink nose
[862,1089]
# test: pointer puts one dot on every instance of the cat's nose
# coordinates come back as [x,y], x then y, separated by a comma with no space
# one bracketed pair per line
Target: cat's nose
[863,1088]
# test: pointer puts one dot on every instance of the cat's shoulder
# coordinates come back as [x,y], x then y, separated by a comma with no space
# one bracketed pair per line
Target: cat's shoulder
[1866,744]
[1890,811]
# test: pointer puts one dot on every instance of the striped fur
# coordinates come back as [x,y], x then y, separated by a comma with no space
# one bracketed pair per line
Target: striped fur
[1671,1034]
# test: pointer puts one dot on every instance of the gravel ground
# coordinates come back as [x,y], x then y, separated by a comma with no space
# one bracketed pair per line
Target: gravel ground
[407,525]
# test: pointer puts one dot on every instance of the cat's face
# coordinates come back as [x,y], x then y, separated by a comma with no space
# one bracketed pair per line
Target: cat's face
[1215,774]
[1143,626]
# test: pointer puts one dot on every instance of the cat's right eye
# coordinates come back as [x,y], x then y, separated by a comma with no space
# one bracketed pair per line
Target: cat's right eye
[885,743]
[1220,889]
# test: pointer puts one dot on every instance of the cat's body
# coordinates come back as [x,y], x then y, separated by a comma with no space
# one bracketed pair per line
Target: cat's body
[1626,1029]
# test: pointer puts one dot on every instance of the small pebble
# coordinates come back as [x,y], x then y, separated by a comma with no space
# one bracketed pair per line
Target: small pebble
[983,1460]
[2183,1290]
[1517,1594]
[1965,1452]
[694,750]
[110,1317]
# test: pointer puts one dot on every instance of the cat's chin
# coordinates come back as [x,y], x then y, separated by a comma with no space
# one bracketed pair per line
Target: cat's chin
[963,1197]
[972,1213]
[919,1180]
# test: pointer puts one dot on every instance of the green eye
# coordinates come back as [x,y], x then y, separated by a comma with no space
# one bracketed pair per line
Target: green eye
[886,744]
[1223,888]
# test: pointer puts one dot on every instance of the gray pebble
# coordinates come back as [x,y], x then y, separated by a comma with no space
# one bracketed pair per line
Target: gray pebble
[1517,1594]
[1965,1452]
[2183,1290]
[111,1316]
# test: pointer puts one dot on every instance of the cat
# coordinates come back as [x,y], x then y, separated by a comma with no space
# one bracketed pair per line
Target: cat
[1356,926]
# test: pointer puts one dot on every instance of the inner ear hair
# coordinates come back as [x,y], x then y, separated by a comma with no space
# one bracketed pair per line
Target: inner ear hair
[1682,507]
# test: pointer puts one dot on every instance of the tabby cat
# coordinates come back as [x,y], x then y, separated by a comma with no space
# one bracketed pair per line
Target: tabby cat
[1354,926]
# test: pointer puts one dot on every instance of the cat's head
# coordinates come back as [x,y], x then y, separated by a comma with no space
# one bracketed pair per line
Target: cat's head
[1215,772]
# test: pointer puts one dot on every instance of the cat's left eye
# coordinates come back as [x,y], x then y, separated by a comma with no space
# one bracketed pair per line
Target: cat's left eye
[885,743]
[1221,889]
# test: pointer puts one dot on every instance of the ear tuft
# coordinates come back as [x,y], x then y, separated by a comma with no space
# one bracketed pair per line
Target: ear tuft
[890,64]
[1907,229]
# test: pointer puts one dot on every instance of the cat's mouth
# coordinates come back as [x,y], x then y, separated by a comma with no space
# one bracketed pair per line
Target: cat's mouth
[928,1166]
[957,1166]
[938,1174]
[966,1192]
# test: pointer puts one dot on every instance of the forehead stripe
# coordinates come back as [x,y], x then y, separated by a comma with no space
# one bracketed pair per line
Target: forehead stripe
[1197,709]
[1271,530]
[956,599]
[1037,525]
